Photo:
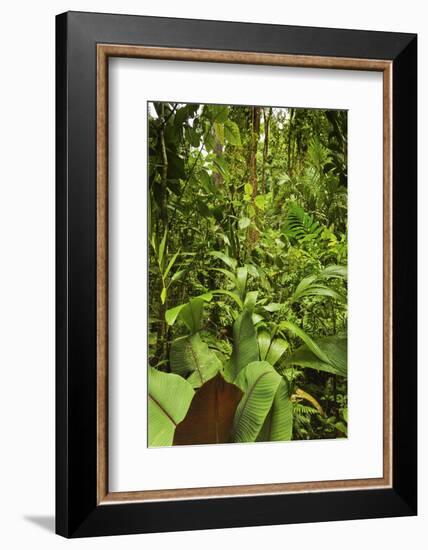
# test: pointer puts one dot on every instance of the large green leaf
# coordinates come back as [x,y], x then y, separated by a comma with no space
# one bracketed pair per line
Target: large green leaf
[251,300]
[310,287]
[210,416]
[231,132]
[278,425]
[172,314]
[169,400]
[241,280]
[276,350]
[311,344]
[192,313]
[231,294]
[227,273]
[190,355]
[315,290]
[245,346]
[334,271]
[264,339]
[270,349]
[334,355]
[189,312]
[230,262]
[259,381]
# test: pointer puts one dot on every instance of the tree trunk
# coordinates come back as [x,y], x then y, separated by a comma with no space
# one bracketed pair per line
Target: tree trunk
[218,151]
[266,120]
[290,132]
[161,330]
[255,134]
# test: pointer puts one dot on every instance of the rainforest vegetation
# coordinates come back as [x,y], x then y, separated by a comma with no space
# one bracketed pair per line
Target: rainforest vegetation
[247,274]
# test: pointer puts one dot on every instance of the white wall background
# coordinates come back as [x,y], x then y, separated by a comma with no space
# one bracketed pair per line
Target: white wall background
[27,271]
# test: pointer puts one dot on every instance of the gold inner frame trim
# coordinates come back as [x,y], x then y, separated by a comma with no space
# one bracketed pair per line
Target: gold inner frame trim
[104,51]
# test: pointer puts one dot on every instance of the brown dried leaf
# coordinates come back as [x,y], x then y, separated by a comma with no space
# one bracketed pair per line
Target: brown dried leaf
[210,416]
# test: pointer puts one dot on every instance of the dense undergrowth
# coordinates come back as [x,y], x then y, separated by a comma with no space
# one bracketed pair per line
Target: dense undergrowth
[248,274]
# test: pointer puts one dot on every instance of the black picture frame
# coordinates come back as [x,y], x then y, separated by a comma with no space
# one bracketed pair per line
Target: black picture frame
[78,513]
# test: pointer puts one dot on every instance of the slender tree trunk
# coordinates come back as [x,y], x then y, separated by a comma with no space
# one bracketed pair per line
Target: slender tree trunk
[164,174]
[266,120]
[218,151]
[255,134]
[290,132]
[161,330]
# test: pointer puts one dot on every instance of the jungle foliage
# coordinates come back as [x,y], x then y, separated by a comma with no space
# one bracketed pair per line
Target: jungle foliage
[247,274]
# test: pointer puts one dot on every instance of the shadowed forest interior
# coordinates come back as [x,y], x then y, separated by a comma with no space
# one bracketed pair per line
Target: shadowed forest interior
[247,274]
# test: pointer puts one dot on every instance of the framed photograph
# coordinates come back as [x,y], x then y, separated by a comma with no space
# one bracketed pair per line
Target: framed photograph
[236,274]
